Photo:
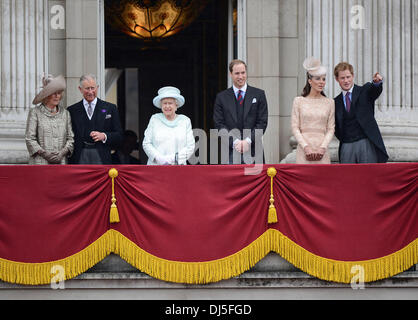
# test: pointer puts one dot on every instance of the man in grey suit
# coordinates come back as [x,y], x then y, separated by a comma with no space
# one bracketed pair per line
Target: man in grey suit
[355,125]
[242,112]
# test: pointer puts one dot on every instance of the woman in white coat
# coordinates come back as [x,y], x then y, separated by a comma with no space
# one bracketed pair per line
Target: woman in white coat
[168,139]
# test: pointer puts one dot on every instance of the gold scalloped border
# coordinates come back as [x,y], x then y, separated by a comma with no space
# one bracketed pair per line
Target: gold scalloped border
[210,271]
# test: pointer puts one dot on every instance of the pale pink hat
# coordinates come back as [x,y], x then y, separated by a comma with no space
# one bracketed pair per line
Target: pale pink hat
[314,67]
[50,86]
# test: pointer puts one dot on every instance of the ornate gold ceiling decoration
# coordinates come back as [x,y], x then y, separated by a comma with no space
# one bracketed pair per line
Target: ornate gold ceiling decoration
[151,20]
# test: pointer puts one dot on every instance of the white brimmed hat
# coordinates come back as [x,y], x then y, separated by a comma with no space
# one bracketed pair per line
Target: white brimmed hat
[168,92]
[50,86]
[314,67]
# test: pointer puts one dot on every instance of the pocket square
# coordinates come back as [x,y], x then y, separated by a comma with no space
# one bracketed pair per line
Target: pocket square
[108,116]
[254,100]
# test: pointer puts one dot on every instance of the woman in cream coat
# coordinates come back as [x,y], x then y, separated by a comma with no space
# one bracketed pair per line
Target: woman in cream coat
[168,138]
[49,136]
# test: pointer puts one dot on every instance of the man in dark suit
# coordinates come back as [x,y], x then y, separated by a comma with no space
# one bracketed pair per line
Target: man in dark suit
[96,126]
[355,125]
[241,111]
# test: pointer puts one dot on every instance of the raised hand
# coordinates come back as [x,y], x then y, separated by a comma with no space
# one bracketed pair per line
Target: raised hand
[377,77]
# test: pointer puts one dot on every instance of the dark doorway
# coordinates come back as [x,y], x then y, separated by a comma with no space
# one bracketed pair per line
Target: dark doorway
[194,60]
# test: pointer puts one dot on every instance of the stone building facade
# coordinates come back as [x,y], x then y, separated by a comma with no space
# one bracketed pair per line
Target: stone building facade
[273,36]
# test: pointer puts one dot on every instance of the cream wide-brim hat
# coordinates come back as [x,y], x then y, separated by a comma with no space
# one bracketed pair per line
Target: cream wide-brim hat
[314,67]
[168,92]
[51,85]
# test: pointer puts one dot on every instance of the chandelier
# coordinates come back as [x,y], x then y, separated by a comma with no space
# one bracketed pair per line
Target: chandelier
[151,20]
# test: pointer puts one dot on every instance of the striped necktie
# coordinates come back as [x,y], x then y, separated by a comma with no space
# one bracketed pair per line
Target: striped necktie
[240,97]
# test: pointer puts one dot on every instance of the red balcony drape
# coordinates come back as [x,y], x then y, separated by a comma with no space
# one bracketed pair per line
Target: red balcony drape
[199,224]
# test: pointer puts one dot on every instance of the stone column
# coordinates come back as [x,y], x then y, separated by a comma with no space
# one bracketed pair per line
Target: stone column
[23,59]
[374,36]
[84,45]
[262,39]
[292,51]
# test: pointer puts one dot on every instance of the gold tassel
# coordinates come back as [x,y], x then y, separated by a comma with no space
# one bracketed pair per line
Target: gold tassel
[114,214]
[272,216]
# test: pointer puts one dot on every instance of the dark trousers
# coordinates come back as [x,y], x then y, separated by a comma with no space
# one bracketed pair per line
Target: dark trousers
[90,156]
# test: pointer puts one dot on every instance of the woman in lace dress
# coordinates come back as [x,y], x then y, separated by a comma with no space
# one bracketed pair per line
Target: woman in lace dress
[313,120]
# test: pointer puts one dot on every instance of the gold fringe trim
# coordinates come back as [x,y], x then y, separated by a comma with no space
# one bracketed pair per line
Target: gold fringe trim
[193,272]
[245,259]
[44,273]
[341,271]
[210,271]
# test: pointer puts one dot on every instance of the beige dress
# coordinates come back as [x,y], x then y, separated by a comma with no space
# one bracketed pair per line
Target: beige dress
[313,124]
[50,132]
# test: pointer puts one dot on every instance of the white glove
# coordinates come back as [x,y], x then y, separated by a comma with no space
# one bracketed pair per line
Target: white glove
[170,159]
[164,160]
[160,160]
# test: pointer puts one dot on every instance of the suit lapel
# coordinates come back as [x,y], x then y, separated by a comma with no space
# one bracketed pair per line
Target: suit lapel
[339,108]
[231,103]
[356,94]
[98,116]
[249,95]
[81,112]
[81,117]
